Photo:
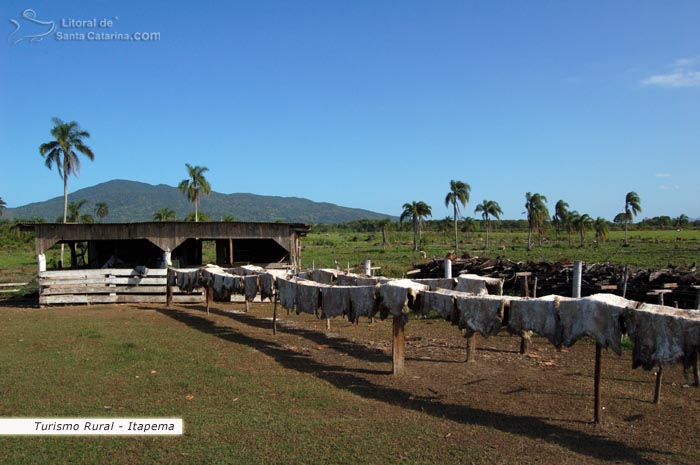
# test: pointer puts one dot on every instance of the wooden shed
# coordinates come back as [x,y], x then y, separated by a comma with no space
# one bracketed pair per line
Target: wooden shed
[125,262]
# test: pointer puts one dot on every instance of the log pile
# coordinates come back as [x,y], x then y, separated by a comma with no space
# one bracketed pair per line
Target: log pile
[643,285]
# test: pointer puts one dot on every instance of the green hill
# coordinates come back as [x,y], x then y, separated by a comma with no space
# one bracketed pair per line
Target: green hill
[131,201]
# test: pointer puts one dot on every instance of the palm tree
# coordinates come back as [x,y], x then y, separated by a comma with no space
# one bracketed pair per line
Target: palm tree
[164,214]
[680,222]
[74,215]
[60,151]
[488,208]
[560,211]
[632,207]
[3,205]
[601,229]
[570,222]
[582,223]
[416,212]
[458,194]
[194,186]
[101,210]
[536,214]
[228,218]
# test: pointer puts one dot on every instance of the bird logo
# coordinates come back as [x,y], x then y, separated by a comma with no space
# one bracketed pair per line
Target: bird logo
[34,30]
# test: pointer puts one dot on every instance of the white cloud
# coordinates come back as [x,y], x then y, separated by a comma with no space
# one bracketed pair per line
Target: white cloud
[663,175]
[685,72]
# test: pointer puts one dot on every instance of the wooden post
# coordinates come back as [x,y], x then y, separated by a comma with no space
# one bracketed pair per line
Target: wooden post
[41,262]
[230,252]
[328,324]
[398,347]
[657,388]
[525,291]
[168,289]
[696,368]
[246,305]
[471,348]
[274,315]
[624,283]
[597,409]
[209,296]
[534,289]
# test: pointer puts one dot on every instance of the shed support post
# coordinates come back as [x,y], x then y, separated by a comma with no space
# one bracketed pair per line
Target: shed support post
[41,262]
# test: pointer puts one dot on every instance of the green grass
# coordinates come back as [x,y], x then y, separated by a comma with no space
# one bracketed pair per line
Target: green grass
[647,249]
[126,362]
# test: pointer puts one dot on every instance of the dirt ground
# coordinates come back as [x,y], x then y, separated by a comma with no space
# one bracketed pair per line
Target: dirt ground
[511,408]
[543,401]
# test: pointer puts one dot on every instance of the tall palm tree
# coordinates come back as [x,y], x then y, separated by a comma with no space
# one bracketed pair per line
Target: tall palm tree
[458,194]
[632,207]
[583,223]
[601,229]
[560,211]
[164,214]
[194,186]
[537,213]
[101,209]
[488,208]
[416,212]
[3,205]
[68,137]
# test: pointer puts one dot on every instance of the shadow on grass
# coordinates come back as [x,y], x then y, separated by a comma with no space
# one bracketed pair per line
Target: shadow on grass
[339,376]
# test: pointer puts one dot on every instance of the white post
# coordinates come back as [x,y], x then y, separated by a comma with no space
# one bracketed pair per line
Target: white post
[368,268]
[41,261]
[578,271]
[448,268]
[167,258]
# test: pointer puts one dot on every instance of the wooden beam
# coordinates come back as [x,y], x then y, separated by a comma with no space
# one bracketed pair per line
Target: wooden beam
[274,315]
[398,347]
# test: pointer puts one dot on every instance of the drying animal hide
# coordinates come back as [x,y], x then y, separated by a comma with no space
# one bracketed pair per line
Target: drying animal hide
[324,276]
[307,297]
[267,286]
[596,316]
[662,335]
[538,315]
[482,314]
[397,297]
[472,284]
[441,300]
[335,300]
[363,302]
[187,280]
[250,287]
[287,292]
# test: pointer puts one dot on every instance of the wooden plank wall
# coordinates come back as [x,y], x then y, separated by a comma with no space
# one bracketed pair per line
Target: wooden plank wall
[108,286]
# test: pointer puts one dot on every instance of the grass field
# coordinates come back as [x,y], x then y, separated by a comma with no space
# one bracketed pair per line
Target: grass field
[307,396]
[647,249]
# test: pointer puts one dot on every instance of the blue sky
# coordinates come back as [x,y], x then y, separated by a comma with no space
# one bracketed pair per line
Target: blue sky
[367,104]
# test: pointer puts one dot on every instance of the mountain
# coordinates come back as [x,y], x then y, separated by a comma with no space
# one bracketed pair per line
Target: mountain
[131,201]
